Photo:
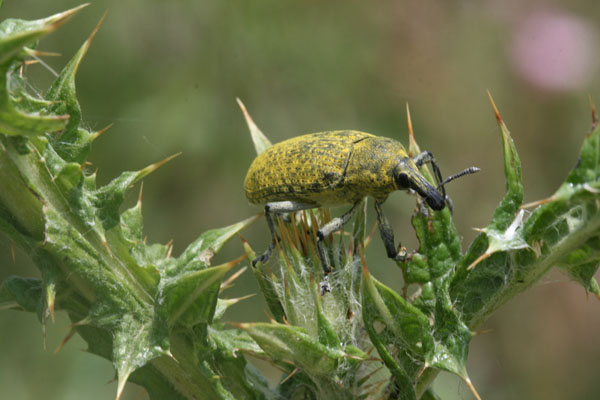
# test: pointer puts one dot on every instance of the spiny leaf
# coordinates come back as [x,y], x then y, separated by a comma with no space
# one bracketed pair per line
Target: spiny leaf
[74,143]
[92,273]
[224,304]
[284,342]
[582,264]
[238,375]
[261,143]
[109,198]
[133,347]
[266,284]
[126,242]
[587,169]
[199,253]
[451,339]
[398,330]
[15,118]
[17,293]
[507,240]
[191,298]
[485,266]
[16,33]
[562,224]
[325,330]
[509,206]
[439,242]
[234,341]
[16,121]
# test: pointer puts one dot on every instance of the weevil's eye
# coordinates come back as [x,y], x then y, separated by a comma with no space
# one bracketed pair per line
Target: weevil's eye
[402,181]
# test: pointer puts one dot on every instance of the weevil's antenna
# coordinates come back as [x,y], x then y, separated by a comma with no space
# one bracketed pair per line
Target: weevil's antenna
[466,171]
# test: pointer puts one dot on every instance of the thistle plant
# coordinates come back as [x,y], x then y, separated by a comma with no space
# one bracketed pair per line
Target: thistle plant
[159,318]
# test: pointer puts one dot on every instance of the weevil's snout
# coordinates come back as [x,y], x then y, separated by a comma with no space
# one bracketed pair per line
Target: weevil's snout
[435,200]
[432,196]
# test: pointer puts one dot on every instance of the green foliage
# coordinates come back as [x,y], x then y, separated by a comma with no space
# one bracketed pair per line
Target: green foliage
[157,318]
[132,302]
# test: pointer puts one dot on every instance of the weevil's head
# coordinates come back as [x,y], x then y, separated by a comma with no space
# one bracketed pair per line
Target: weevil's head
[407,176]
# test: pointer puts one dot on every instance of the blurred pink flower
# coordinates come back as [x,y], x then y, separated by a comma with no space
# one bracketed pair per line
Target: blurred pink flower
[554,51]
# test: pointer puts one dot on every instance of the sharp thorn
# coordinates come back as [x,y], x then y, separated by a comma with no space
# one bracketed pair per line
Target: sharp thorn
[496,113]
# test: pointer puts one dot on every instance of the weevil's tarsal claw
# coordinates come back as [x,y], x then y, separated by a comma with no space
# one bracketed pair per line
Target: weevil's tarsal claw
[324,285]
[401,254]
[264,257]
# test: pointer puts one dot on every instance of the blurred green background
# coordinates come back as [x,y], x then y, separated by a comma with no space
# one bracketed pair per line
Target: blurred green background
[167,75]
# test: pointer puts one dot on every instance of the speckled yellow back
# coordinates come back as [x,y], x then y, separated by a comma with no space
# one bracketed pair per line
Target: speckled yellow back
[306,168]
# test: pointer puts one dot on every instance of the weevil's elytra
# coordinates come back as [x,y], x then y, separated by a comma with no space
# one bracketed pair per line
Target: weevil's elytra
[307,168]
[336,168]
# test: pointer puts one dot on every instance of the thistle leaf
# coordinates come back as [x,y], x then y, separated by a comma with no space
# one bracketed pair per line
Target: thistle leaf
[559,231]
[283,342]
[16,33]
[134,345]
[23,294]
[74,143]
[398,330]
[16,118]
[191,298]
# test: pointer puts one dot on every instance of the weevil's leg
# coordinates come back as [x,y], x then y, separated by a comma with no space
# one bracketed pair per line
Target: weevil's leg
[449,203]
[278,207]
[264,257]
[387,235]
[427,157]
[333,226]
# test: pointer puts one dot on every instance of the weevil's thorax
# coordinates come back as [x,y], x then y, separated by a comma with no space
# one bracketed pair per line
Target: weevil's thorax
[372,166]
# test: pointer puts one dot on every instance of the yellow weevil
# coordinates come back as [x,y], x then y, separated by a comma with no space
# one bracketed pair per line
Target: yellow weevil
[335,168]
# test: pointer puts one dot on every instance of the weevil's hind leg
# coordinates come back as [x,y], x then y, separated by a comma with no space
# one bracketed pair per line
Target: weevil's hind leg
[332,226]
[278,207]
[387,235]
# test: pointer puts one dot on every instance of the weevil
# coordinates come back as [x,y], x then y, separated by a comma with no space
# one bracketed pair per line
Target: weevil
[335,168]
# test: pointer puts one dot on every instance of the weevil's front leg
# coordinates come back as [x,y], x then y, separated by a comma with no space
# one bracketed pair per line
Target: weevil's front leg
[387,235]
[278,207]
[427,157]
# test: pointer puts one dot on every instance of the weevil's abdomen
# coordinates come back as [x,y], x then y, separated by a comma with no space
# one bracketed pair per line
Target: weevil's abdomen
[326,168]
